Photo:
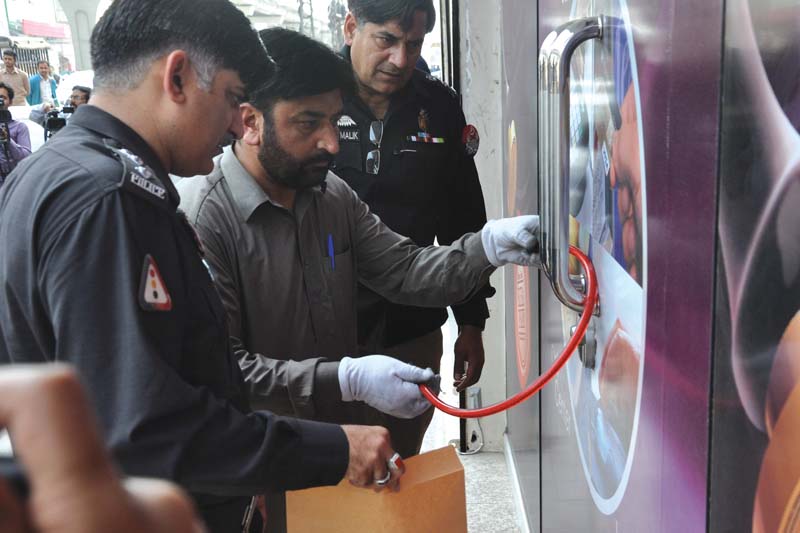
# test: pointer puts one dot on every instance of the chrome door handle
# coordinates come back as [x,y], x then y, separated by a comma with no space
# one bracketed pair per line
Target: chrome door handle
[554,136]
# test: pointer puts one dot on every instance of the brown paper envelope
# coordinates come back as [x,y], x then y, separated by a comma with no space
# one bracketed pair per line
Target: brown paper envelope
[431,499]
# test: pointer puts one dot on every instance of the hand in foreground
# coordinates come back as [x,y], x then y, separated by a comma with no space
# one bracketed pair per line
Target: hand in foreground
[386,384]
[74,487]
[468,349]
[512,240]
[373,462]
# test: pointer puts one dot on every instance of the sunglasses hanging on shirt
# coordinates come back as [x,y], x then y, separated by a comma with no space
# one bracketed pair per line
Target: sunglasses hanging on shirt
[373,163]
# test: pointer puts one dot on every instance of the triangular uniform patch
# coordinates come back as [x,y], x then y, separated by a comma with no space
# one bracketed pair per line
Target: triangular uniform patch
[153,295]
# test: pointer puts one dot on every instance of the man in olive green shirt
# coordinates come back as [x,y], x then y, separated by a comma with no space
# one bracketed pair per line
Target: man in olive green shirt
[287,241]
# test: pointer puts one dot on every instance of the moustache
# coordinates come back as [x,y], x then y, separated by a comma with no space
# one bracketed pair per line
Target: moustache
[324,158]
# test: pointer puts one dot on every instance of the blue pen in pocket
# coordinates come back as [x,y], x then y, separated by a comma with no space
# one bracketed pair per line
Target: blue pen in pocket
[330,251]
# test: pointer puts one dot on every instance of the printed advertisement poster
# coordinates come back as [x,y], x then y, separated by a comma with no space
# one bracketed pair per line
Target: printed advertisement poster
[756,410]
[609,218]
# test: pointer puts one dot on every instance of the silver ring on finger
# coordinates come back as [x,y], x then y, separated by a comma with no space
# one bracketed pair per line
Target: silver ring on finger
[385,480]
[396,462]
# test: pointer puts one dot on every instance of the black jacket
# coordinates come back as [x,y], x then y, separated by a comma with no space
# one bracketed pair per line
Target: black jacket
[99,269]
[427,188]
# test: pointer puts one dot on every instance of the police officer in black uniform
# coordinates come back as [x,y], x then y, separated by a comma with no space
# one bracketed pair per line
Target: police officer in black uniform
[407,151]
[98,268]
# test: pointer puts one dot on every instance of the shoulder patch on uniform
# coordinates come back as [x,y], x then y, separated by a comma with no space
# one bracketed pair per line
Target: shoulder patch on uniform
[471,140]
[137,177]
[153,294]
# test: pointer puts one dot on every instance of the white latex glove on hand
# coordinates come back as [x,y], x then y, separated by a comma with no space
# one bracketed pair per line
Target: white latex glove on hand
[512,240]
[386,384]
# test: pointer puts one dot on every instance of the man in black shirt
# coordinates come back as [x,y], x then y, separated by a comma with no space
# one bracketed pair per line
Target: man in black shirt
[407,151]
[98,268]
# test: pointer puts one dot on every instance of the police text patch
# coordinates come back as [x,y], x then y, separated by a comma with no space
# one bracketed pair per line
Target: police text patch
[153,188]
[138,178]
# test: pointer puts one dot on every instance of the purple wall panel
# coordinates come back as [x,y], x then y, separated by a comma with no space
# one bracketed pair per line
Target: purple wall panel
[756,435]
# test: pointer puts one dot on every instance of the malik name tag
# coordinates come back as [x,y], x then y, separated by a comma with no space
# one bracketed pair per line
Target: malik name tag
[348,129]
[348,135]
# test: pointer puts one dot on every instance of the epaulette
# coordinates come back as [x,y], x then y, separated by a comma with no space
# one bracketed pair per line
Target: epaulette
[138,178]
[440,84]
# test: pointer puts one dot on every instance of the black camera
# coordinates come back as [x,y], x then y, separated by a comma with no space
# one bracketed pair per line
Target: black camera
[55,120]
[5,118]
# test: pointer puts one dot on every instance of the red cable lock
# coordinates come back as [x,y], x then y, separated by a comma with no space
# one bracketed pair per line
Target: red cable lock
[589,303]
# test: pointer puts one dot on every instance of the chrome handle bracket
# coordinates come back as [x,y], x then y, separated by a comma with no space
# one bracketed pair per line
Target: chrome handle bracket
[587,348]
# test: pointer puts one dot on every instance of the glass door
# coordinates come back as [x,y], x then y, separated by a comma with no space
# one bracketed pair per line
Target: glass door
[620,438]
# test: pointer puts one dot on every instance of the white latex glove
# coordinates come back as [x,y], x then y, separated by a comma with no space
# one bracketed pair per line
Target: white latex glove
[386,384]
[512,240]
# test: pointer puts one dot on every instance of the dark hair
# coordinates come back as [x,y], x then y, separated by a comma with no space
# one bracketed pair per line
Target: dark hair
[305,67]
[10,52]
[10,92]
[42,61]
[85,90]
[382,11]
[132,34]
